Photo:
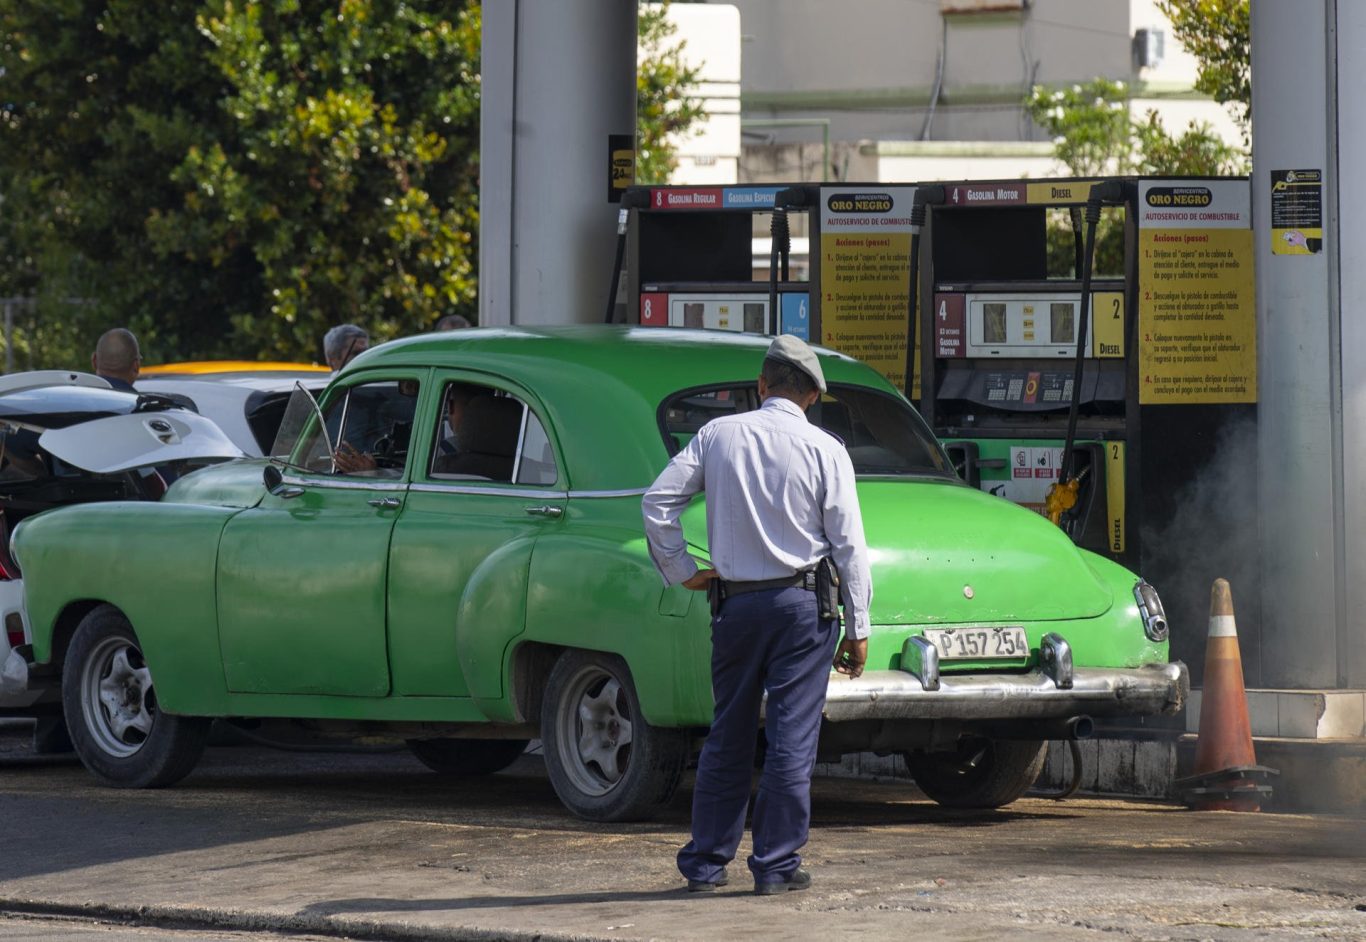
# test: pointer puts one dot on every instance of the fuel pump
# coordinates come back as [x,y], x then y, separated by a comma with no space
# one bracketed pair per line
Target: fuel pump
[1106,377]
[691,261]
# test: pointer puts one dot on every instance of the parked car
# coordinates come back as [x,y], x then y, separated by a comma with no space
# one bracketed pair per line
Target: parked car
[246,399]
[470,599]
[68,438]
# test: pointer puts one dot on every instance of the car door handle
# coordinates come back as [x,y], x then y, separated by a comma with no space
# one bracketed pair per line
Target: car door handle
[546,510]
[386,503]
[287,491]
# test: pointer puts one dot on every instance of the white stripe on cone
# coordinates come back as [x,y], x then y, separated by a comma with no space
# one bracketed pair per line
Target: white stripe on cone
[1222,626]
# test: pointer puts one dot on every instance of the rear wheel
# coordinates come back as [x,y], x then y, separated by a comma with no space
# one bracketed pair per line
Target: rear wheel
[466,758]
[605,761]
[117,727]
[980,773]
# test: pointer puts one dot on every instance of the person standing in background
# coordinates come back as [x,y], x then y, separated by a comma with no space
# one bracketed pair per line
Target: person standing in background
[344,343]
[117,358]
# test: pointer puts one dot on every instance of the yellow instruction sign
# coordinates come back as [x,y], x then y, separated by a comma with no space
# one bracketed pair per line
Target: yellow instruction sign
[864,275]
[1196,313]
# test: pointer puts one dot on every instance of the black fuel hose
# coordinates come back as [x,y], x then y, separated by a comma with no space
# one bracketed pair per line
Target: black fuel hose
[924,196]
[1108,192]
[780,248]
[634,198]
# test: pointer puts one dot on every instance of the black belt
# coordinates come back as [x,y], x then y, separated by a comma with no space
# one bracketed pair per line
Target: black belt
[802,580]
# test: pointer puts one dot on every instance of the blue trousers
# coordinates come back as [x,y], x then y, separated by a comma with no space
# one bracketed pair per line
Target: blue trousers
[770,641]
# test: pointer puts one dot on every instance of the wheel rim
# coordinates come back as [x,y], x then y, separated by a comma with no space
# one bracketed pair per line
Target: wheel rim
[594,731]
[117,698]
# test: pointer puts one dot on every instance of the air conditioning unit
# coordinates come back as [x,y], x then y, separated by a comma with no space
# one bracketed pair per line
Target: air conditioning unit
[1149,46]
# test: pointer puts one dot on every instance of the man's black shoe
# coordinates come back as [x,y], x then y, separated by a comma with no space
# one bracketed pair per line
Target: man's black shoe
[707,886]
[800,880]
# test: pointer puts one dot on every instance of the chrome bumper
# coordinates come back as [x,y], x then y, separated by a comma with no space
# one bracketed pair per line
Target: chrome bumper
[898,695]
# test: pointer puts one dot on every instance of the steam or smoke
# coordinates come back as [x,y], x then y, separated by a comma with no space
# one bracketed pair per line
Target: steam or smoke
[1212,532]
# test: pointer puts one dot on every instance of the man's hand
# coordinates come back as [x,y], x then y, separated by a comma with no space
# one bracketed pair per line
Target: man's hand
[701,579]
[350,461]
[851,655]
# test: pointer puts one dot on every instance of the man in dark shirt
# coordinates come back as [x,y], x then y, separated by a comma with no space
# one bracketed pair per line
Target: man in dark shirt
[117,358]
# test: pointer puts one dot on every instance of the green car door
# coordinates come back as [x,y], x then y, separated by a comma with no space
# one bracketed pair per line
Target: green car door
[489,485]
[302,576]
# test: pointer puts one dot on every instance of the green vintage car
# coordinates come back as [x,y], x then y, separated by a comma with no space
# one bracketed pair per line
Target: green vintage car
[450,552]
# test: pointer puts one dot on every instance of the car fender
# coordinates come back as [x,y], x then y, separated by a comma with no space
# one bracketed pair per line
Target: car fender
[1117,639]
[156,563]
[491,614]
[598,590]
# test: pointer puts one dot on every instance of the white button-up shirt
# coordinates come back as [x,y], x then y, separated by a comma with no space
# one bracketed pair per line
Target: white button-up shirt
[780,496]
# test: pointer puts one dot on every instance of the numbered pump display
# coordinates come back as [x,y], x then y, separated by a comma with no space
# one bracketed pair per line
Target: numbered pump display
[715,258]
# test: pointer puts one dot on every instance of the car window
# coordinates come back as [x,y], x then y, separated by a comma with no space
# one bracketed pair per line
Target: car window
[487,434]
[367,431]
[882,434]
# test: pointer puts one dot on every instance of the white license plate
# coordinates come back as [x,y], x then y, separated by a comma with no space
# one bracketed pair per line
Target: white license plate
[979,644]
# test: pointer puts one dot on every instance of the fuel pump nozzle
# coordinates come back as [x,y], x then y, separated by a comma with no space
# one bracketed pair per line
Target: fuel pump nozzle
[1062,496]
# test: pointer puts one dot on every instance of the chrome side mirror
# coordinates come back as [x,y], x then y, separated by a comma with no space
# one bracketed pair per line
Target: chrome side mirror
[275,483]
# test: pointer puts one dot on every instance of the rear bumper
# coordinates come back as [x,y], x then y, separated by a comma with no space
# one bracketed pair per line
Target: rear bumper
[896,695]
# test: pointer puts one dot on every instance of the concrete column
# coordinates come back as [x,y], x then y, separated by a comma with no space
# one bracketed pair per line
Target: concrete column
[558,79]
[1347,203]
[1307,114]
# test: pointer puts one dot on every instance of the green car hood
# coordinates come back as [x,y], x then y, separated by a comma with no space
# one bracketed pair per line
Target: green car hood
[931,544]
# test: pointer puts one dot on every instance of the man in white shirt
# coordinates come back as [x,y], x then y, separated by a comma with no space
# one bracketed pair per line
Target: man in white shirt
[780,498]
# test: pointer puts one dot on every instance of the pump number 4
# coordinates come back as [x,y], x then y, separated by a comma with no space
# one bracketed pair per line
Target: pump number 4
[979,644]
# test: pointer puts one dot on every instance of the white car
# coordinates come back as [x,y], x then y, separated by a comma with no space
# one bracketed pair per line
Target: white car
[69,438]
[246,400]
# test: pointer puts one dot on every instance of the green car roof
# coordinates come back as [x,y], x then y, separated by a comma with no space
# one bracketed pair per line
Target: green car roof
[594,383]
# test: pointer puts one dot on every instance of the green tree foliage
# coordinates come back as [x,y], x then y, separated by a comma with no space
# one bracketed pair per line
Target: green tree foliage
[1089,124]
[666,108]
[229,177]
[1094,134]
[350,168]
[101,98]
[1219,34]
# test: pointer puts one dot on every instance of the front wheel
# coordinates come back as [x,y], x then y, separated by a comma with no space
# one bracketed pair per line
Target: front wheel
[605,761]
[116,725]
[980,773]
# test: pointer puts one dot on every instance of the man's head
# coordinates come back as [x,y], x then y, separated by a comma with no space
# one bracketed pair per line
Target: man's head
[453,322]
[342,343]
[457,396]
[117,355]
[791,371]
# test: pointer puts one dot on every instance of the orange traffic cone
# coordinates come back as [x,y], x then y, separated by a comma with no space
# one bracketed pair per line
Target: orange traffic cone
[1227,775]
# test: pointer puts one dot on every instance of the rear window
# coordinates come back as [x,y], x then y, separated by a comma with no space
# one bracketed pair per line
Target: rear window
[882,434]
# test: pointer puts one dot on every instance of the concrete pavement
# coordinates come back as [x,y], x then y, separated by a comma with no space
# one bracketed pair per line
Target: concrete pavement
[373,846]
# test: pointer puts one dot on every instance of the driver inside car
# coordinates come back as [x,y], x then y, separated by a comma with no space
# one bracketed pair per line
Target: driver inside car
[386,454]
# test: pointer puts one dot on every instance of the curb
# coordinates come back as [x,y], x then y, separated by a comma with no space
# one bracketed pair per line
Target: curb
[338,927]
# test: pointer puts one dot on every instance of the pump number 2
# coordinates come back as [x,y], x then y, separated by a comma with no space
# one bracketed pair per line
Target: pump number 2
[979,644]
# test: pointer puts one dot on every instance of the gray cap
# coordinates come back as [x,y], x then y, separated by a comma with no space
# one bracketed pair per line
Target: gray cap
[792,350]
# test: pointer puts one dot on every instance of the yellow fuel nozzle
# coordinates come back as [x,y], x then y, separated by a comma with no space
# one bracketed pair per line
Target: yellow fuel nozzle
[1061,498]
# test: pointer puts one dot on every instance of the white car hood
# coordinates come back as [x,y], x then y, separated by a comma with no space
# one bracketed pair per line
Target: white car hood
[140,439]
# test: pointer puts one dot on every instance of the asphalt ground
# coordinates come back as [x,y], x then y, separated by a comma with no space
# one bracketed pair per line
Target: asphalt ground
[258,844]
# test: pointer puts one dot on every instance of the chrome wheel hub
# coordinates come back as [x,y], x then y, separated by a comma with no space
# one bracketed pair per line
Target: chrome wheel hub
[117,700]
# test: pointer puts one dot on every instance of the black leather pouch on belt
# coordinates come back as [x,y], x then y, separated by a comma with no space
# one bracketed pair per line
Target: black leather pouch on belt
[714,596]
[828,589]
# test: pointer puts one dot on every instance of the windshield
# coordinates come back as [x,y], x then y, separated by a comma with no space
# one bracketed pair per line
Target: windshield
[882,434]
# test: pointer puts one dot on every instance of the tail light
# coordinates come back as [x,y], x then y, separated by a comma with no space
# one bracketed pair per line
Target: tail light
[9,569]
[14,629]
